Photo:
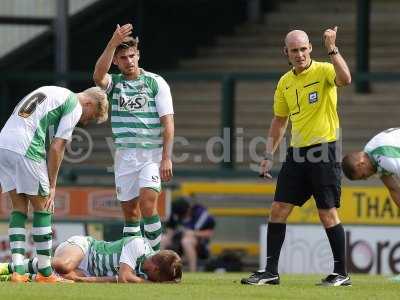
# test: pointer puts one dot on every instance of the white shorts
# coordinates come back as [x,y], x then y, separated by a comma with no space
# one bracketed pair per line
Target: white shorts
[23,174]
[136,169]
[83,243]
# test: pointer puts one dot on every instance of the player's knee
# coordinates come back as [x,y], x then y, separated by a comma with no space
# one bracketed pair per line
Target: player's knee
[131,211]
[279,212]
[329,217]
[148,207]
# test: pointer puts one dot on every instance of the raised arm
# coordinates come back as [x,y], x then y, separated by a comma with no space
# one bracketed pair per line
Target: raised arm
[394,188]
[103,64]
[275,134]
[343,76]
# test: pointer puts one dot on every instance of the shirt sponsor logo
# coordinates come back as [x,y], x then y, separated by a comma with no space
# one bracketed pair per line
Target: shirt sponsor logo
[312,97]
[133,103]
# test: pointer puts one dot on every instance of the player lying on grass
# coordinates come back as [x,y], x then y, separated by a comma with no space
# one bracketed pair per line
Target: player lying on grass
[128,260]
[381,155]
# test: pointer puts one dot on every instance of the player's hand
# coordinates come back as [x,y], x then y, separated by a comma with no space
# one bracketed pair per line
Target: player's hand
[265,168]
[166,170]
[49,205]
[329,38]
[120,33]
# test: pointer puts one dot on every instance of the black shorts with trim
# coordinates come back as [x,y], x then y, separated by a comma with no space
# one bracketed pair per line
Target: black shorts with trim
[310,171]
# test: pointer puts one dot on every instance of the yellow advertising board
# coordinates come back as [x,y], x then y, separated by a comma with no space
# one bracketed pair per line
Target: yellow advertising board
[359,204]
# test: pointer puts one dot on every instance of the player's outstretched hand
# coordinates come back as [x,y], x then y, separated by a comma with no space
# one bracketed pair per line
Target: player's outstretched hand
[330,38]
[166,170]
[120,33]
[265,168]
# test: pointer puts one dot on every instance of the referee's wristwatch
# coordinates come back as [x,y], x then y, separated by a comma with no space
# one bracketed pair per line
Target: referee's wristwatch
[269,156]
[334,51]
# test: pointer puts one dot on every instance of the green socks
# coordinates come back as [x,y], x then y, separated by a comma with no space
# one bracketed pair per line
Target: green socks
[42,237]
[16,234]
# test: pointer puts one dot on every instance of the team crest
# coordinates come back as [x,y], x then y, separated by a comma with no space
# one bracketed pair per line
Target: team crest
[312,97]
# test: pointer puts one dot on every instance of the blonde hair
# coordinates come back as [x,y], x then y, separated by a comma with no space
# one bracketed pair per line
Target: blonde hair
[99,96]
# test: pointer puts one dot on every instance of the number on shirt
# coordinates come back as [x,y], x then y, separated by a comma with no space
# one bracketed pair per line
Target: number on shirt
[30,104]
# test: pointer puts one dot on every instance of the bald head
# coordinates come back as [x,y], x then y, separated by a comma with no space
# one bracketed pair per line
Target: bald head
[298,36]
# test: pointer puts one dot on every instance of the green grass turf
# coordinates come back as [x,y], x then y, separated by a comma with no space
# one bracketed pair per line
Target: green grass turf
[209,286]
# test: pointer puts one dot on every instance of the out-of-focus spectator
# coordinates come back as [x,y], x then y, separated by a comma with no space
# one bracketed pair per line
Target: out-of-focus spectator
[188,231]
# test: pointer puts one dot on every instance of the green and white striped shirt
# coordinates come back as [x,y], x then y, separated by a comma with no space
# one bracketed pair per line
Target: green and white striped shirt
[384,151]
[47,111]
[136,109]
[104,257]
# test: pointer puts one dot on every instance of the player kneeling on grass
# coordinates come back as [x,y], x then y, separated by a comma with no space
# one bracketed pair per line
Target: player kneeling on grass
[128,260]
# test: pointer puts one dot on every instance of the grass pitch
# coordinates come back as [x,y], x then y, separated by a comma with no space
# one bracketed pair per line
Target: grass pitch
[202,286]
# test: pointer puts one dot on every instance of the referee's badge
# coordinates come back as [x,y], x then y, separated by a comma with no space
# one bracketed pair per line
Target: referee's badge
[312,97]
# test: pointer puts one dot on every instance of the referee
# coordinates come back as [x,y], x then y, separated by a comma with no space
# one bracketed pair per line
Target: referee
[306,95]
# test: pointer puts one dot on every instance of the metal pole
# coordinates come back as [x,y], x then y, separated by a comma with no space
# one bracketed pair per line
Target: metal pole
[61,39]
[228,123]
[363,31]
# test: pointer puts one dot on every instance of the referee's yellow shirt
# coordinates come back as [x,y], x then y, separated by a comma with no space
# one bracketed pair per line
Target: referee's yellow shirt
[310,100]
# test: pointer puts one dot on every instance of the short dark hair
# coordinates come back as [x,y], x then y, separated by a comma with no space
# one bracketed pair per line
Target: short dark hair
[348,165]
[128,42]
[169,264]
[180,207]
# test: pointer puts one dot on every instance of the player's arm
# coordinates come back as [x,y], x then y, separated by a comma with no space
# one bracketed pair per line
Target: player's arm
[79,276]
[127,275]
[106,279]
[103,64]
[393,186]
[165,111]
[167,122]
[55,157]
[343,75]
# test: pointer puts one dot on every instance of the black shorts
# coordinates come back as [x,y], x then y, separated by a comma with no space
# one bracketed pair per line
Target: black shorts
[310,171]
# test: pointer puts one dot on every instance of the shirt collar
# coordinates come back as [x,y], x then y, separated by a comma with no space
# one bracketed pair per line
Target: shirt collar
[304,71]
